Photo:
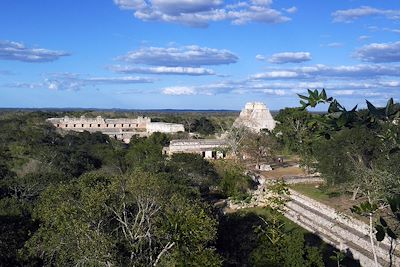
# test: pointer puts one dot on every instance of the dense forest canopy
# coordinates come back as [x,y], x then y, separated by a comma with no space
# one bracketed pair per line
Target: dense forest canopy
[69,198]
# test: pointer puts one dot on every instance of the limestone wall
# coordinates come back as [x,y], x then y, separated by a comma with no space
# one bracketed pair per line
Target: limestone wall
[338,229]
[164,127]
[120,128]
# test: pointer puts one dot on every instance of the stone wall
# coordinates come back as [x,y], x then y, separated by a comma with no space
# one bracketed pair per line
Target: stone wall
[209,148]
[164,127]
[120,128]
[338,229]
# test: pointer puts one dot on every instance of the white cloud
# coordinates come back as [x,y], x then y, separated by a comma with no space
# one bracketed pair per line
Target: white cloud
[186,56]
[347,88]
[260,57]
[163,70]
[363,37]
[361,71]
[198,13]
[344,92]
[277,74]
[17,51]
[130,4]
[291,10]
[279,92]
[334,45]
[349,15]
[379,52]
[179,90]
[74,82]
[290,57]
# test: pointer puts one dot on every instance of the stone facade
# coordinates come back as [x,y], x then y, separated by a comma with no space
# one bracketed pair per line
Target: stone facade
[163,127]
[208,148]
[120,129]
[255,116]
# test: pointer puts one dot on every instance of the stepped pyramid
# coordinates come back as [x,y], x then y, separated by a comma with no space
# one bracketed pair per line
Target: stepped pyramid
[255,116]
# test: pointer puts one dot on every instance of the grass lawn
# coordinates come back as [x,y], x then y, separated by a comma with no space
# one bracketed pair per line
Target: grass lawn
[331,197]
[313,191]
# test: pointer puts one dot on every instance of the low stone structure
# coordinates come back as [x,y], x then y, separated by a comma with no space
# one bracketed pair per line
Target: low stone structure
[208,148]
[338,229]
[120,129]
[255,116]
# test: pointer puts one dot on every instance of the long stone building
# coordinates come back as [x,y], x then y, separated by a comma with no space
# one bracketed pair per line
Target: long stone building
[120,129]
[208,148]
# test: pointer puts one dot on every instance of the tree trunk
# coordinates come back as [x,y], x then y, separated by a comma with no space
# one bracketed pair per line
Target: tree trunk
[355,192]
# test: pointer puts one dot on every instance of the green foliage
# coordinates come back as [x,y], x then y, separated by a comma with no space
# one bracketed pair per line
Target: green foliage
[233,180]
[370,141]
[203,126]
[293,128]
[283,247]
[259,146]
[192,170]
[314,98]
[146,153]
[94,221]
[383,228]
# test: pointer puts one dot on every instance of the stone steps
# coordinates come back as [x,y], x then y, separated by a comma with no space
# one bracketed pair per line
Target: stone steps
[341,232]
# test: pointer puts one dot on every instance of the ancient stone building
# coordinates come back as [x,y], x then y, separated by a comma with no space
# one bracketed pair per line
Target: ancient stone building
[208,148]
[256,116]
[121,129]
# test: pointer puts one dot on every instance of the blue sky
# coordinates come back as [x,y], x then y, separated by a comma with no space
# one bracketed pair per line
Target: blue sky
[196,54]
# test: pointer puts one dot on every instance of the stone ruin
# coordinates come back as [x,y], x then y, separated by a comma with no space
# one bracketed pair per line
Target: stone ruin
[121,128]
[255,116]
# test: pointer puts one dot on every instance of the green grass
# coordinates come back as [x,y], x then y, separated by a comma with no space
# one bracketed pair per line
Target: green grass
[312,191]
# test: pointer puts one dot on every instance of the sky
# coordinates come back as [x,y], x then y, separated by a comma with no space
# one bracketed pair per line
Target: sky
[196,54]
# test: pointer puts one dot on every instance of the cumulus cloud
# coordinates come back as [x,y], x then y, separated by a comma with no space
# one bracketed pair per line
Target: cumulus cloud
[130,4]
[74,82]
[163,70]
[352,88]
[198,13]
[186,56]
[349,15]
[277,74]
[334,45]
[260,57]
[291,10]
[360,71]
[17,51]
[179,90]
[379,52]
[290,57]
[363,37]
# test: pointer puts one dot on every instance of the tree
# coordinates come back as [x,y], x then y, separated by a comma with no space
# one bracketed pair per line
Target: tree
[233,180]
[278,246]
[293,128]
[259,146]
[375,183]
[192,170]
[129,220]
[146,153]
[235,139]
